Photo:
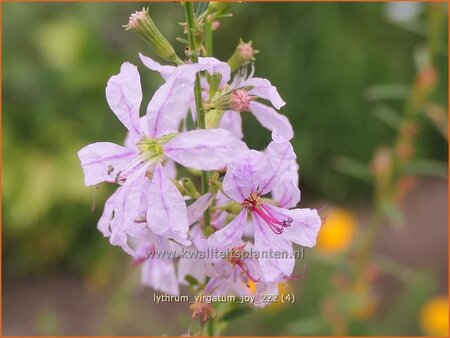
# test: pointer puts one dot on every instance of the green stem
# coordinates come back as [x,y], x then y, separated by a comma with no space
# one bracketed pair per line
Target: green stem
[208,37]
[189,12]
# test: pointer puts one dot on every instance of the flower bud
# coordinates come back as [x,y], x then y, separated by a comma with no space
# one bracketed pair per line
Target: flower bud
[243,55]
[189,187]
[143,25]
[237,100]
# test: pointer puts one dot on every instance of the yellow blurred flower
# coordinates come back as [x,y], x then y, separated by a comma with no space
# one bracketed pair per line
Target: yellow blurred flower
[434,317]
[283,288]
[337,232]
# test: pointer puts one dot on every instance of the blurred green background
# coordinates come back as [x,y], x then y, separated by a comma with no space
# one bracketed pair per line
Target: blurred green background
[325,60]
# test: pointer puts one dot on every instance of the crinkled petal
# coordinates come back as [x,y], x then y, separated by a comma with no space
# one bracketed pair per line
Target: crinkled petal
[195,210]
[160,275]
[229,235]
[167,213]
[165,70]
[280,154]
[264,89]
[124,96]
[273,268]
[103,161]
[207,149]
[271,119]
[124,213]
[305,225]
[170,103]
[232,122]
[286,192]
[246,175]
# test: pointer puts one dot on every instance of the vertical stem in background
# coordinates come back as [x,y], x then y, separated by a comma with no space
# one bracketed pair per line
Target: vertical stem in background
[208,37]
[189,12]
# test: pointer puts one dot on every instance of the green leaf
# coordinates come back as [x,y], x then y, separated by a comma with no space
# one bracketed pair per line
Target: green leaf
[387,91]
[426,168]
[387,115]
[191,280]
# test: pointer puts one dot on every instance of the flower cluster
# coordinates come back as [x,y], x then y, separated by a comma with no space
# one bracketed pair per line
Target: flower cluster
[252,195]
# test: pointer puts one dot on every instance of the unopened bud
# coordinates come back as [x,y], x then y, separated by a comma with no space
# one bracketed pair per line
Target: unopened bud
[382,161]
[215,25]
[214,83]
[202,311]
[237,100]
[143,25]
[189,187]
[243,55]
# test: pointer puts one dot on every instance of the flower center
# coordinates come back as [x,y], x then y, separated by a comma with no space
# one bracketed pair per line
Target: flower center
[149,147]
[240,100]
[256,205]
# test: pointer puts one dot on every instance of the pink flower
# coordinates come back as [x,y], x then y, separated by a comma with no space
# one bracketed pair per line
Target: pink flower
[152,140]
[247,180]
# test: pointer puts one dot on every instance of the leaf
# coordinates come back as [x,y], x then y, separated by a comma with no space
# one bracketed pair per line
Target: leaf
[191,280]
[387,115]
[236,313]
[353,168]
[386,91]
[190,125]
[426,168]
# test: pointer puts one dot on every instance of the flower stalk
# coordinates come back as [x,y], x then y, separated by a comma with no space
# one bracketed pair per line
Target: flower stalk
[201,118]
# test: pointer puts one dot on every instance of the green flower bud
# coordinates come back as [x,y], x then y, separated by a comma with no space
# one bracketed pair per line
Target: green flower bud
[189,187]
[243,55]
[143,25]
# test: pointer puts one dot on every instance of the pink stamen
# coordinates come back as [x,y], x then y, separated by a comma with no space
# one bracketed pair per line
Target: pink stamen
[262,211]
[240,100]
[245,269]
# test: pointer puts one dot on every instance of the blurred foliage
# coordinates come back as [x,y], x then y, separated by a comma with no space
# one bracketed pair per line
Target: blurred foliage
[331,62]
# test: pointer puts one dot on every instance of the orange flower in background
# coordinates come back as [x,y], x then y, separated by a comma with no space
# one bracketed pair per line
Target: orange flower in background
[337,232]
[434,317]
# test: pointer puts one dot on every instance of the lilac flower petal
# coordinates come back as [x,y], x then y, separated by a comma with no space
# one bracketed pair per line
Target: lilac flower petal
[170,169]
[124,96]
[196,209]
[212,65]
[280,154]
[286,192]
[164,70]
[229,235]
[232,122]
[170,103]
[245,175]
[103,161]
[191,266]
[271,119]
[160,275]
[208,149]
[124,213]
[264,89]
[305,225]
[167,213]
[273,269]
